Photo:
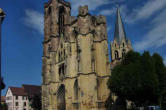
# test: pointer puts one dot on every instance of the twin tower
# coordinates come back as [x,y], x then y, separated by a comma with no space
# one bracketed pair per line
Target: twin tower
[76,65]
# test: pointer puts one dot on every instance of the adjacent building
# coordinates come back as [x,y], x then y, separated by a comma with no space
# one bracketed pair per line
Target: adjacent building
[121,43]
[19,98]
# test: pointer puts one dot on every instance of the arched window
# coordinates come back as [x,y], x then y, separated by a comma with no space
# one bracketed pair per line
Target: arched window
[76,89]
[61,19]
[116,54]
[123,52]
[123,44]
[49,10]
[115,45]
[61,98]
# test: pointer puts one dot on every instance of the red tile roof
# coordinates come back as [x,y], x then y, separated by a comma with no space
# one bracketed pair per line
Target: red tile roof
[26,90]
[17,91]
[32,90]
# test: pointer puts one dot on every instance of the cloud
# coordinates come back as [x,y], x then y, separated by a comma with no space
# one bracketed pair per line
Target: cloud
[92,4]
[156,36]
[34,20]
[112,11]
[108,12]
[165,61]
[146,11]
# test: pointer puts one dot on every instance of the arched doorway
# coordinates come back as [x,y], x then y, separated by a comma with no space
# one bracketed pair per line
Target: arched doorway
[61,98]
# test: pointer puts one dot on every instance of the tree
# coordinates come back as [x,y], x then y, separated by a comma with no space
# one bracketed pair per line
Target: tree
[161,74]
[36,102]
[136,79]
[4,106]
[2,84]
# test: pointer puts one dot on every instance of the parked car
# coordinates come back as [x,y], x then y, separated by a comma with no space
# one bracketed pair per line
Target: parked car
[153,108]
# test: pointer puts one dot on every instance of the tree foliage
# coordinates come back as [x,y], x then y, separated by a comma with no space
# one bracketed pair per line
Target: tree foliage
[36,102]
[139,78]
[4,106]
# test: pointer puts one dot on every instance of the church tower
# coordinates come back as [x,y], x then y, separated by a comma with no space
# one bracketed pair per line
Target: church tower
[121,44]
[76,64]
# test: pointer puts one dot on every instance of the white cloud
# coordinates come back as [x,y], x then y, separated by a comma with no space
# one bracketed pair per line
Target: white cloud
[146,11]
[112,11]
[34,20]
[92,4]
[165,61]
[156,37]
[164,58]
[108,12]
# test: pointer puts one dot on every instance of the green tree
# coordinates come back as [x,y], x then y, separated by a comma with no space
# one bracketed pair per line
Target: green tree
[4,106]
[135,79]
[161,74]
[36,102]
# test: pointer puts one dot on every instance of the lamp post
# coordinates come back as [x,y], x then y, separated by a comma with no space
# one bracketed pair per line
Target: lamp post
[2,16]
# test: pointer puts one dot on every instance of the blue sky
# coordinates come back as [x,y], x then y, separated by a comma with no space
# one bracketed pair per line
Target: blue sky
[22,32]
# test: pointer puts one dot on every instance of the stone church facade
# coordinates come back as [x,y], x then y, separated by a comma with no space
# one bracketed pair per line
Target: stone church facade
[76,65]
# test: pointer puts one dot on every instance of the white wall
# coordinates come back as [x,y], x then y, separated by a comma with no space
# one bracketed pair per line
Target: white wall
[11,101]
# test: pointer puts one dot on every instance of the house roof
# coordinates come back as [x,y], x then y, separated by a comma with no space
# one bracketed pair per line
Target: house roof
[26,90]
[17,91]
[32,89]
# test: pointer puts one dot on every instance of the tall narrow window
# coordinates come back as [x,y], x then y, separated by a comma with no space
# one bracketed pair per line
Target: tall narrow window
[76,90]
[49,10]
[123,53]
[123,44]
[116,54]
[61,20]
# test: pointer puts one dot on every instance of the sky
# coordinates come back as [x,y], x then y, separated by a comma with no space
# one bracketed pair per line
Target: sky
[22,32]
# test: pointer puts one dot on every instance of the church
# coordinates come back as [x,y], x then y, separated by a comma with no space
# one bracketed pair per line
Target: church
[76,65]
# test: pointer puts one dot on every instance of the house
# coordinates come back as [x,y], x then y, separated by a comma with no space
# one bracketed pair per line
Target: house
[19,98]
[3,99]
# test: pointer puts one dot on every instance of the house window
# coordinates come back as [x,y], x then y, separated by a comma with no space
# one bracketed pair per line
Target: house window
[25,104]
[24,109]
[17,104]
[23,97]
[16,97]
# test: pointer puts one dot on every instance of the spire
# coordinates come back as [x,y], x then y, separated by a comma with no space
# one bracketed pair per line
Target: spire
[119,28]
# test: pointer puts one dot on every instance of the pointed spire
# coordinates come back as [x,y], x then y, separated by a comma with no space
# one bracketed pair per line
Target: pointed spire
[119,28]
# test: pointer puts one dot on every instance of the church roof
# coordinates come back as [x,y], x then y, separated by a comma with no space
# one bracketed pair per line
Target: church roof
[119,33]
